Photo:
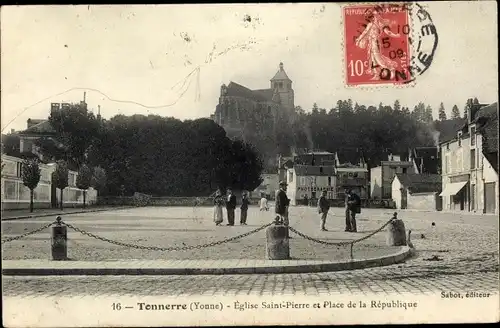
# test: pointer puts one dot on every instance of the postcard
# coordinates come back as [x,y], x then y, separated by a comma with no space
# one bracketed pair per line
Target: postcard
[249,164]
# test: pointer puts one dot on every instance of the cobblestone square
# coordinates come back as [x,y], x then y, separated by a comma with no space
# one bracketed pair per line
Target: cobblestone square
[458,253]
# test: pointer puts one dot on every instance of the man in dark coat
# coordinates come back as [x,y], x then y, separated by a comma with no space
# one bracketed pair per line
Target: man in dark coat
[230,207]
[282,203]
[353,206]
[323,208]
[244,209]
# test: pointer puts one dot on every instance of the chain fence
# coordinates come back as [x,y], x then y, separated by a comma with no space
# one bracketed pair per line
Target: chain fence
[6,240]
[342,243]
[152,248]
[58,222]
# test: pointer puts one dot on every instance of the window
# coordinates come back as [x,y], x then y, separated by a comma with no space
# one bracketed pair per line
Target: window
[472,159]
[19,169]
[459,139]
[281,85]
[447,146]
[276,85]
[320,169]
[329,181]
[405,170]
[473,136]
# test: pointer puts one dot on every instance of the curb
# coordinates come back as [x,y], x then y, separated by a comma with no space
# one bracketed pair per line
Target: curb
[61,214]
[403,254]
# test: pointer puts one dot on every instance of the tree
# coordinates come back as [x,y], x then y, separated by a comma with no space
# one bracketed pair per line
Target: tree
[60,179]
[245,166]
[30,173]
[83,180]
[76,128]
[455,112]
[428,114]
[419,112]
[10,144]
[397,105]
[442,112]
[98,181]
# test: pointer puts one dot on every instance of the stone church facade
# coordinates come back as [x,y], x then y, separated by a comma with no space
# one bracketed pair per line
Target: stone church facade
[254,115]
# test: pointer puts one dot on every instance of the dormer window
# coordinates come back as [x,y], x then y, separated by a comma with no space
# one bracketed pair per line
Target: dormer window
[281,85]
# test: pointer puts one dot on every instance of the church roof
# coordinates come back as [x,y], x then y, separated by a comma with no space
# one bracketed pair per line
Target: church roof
[280,75]
[237,90]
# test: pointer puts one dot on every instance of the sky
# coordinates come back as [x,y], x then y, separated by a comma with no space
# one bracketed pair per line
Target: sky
[140,57]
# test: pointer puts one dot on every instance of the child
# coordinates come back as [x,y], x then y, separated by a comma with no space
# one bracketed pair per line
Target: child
[263,203]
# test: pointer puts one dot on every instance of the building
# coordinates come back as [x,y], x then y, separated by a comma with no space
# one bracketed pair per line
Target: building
[254,115]
[17,196]
[352,173]
[425,160]
[470,163]
[381,176]
[314,158]
[238,104]
[308,181]
[417,191]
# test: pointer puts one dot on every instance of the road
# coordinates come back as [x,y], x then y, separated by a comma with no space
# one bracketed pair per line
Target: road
[458,254]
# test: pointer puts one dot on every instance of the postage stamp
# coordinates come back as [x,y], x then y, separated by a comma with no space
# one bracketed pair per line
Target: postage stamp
[383,43]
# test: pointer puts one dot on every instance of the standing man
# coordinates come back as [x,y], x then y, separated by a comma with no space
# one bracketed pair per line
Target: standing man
[230,207]
[244,209]
[323,208]
[353,206]
[282,203]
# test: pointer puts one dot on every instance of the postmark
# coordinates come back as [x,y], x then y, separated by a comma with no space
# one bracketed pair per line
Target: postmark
[387,44]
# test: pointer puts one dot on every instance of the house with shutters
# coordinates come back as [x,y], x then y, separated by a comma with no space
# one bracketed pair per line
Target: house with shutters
[352,173]
[469,161]
[309,181]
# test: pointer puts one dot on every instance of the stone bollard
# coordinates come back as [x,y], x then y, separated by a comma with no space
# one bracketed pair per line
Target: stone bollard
[277,246]
[59,241]
[396,233]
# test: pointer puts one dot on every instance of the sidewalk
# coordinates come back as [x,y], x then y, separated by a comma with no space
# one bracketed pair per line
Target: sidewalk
[40,267]
[43,212]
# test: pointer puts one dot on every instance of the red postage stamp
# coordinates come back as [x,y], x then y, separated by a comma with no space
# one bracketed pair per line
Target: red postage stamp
[377,44]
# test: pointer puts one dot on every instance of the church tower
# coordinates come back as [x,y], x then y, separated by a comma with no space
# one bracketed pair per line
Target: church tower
[282,84]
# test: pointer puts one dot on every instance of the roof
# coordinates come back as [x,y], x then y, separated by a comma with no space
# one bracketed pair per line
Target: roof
[302,170]
[41,128]
[487,121]
[417,183]
[237,90]
[352,157]
[426,158]
[448,129]
[320,158]
[281,75]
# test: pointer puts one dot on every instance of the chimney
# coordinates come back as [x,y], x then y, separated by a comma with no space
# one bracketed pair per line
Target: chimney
[84,96]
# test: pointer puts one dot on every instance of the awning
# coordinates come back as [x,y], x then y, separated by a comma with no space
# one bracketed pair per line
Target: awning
[452,188]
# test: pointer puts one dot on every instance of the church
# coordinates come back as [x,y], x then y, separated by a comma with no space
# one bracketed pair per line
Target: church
[245,113]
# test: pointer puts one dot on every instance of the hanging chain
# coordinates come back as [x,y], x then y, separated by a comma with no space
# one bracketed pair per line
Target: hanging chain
[167,249]
[343,243]
[6,240]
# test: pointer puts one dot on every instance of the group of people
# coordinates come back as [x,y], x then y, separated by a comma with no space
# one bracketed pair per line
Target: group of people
[352,207]
[230,203]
